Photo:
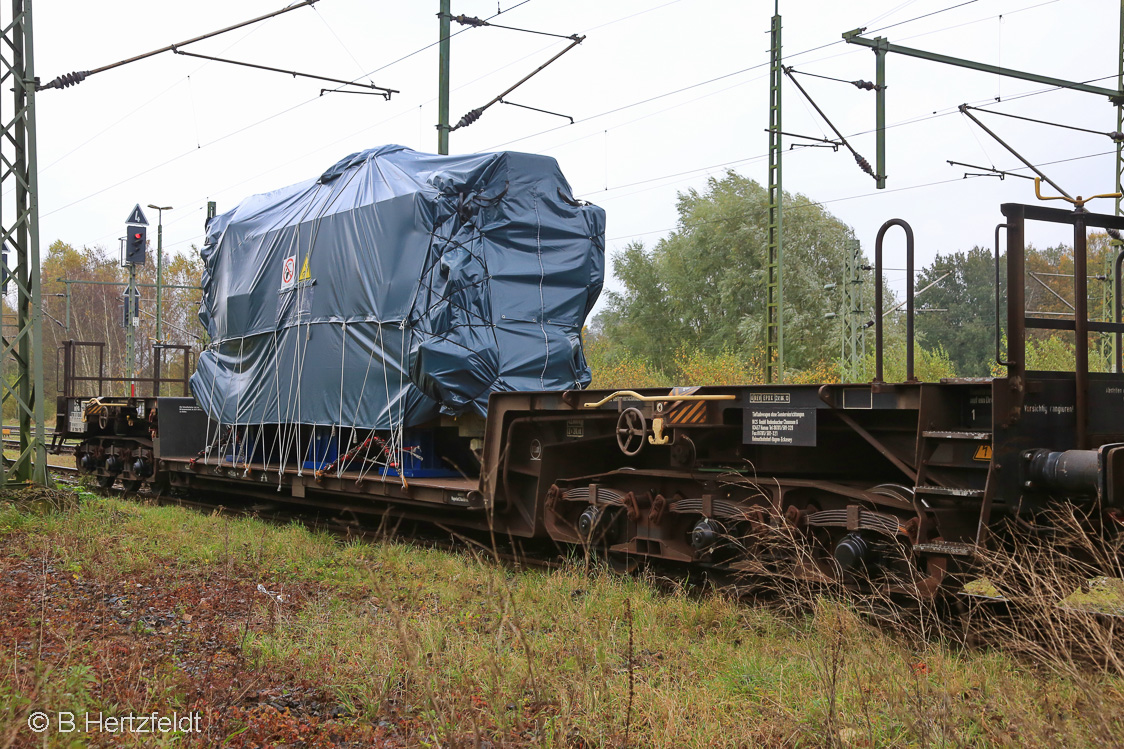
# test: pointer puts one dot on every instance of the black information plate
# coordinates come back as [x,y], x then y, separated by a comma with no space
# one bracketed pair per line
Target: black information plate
[1106,406]
[779,425]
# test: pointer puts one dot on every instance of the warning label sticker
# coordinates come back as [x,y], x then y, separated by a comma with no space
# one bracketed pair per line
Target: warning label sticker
[289,272]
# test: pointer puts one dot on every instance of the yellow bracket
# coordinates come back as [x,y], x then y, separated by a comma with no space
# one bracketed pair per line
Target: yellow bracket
[657,437]
[633,395]
[1078,202]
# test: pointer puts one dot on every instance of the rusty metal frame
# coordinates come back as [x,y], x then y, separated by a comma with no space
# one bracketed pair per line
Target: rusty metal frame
[1017,319]
[67,384]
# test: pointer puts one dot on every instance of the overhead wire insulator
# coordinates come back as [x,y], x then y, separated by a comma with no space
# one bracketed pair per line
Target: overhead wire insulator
[863,163]
[469,118]
[864,85]
[67,80]
[1116,136]
[464,20]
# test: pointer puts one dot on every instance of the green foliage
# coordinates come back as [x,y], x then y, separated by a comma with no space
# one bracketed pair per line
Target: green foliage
[703,288]
[723,368]
[821,372]
[1052,353]
[929,365]
[614,368]
[966,289]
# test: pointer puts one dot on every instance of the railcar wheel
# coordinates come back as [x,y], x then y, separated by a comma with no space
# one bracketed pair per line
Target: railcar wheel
[589,522]
[106,482]
[632,428]
[132,485]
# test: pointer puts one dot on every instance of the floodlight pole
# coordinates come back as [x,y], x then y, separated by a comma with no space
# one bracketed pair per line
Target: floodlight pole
[159,264]
[130,333]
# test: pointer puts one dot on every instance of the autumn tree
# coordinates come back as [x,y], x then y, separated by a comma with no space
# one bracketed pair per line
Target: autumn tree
[964,291]
[92,310]
[703,288]
[961,295]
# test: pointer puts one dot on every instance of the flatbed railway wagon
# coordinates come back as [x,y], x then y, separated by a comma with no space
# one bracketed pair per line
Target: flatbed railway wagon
[876,480]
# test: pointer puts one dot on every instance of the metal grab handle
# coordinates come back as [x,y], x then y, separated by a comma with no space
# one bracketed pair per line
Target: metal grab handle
[1116,304]
[998,353]
[1078,202]
[908,299]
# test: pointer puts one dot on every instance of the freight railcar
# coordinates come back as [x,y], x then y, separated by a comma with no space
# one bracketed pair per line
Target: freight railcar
[898,480]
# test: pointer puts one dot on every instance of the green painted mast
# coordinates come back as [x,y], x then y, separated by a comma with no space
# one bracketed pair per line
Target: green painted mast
[443,80]
[853,314]
[1118,186]
[880,111]
[20,231]
[774,306]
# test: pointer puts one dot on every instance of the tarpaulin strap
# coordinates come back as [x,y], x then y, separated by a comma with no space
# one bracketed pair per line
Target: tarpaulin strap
[399,435]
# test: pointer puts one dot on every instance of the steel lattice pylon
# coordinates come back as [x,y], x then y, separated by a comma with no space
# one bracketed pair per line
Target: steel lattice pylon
[854,316]
[1118,171]
[21,350]
[774,303]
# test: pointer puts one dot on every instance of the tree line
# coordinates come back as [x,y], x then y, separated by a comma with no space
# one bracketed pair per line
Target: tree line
[693,306]
[94,312]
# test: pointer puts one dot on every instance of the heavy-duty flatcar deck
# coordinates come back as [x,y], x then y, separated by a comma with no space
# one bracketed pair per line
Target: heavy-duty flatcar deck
[897,485]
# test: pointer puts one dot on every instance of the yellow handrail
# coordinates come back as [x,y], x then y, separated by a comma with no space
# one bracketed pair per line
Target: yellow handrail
[658,398]
[1078,202]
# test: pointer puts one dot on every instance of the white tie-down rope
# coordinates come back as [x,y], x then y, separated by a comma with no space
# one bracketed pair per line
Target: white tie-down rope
[253,448]
[542,300]
[226,397]
[300,393]
[359,402]
[340,451]
[398,431]
[286,426]
[218,423]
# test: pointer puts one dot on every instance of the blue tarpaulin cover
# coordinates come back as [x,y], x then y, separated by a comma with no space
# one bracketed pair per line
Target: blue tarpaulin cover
[397,286]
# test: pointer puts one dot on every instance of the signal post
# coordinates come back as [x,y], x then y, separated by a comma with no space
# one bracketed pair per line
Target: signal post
[136,240]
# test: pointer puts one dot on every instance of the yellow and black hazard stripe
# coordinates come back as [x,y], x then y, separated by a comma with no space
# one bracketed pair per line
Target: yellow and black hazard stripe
[687,412]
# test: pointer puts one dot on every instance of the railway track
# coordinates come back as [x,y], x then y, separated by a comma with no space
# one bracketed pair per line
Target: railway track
[10,442]
[342,523]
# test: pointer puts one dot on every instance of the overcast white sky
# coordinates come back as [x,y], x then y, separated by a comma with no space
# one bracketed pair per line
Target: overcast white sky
[178,131]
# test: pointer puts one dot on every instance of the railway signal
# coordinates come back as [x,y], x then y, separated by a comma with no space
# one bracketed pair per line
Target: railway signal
[136,241]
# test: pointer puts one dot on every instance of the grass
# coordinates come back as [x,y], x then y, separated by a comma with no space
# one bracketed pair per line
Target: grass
[394,645]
